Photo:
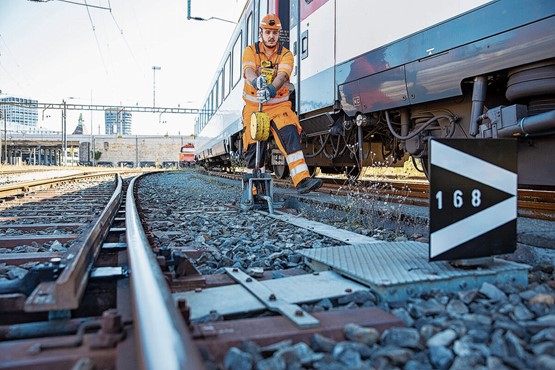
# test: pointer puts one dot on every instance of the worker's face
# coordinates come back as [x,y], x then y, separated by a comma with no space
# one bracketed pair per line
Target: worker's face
[269,37]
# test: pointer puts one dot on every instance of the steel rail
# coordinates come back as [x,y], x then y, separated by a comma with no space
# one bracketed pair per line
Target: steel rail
[164,341]
[24,187]
[65,292]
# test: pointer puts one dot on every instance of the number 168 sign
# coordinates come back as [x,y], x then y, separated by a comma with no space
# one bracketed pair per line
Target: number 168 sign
[473,198]
[458,198]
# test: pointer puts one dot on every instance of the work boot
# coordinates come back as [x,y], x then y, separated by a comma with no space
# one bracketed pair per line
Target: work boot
[308,184]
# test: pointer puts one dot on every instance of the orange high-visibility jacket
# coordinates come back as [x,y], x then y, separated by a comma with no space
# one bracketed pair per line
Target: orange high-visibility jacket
[282,60]
[278,108]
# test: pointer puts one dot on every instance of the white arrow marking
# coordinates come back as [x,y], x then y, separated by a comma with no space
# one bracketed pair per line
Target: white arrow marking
[474,168]
[468,228]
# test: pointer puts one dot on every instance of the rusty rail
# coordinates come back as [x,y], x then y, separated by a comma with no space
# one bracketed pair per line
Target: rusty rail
[65,293]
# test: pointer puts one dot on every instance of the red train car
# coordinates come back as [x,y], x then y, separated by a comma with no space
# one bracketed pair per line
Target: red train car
[187,155]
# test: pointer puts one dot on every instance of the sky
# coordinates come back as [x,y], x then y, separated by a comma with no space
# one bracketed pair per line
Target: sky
[55,50]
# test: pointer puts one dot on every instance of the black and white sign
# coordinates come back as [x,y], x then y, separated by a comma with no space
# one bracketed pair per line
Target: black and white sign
[473,198]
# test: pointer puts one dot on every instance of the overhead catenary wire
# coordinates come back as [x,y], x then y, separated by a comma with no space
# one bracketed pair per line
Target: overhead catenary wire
[97,42]
[73,2]
[90,19]
[7,48]
[124,38]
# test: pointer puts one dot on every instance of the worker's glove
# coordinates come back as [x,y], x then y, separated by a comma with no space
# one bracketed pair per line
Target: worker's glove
[266,94]
[260,82]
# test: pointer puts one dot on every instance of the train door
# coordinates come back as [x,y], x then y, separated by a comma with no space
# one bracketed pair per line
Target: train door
[312,40]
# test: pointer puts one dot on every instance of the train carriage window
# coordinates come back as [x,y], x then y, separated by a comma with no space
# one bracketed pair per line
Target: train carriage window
[221,79]
[210,106]
[221,88]
[249,37]
[206,110]
[227,76]
[215,94]
[237,54]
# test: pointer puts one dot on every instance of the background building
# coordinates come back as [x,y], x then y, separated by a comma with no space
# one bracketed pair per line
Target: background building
[19,118]
[117,122]
[81,129]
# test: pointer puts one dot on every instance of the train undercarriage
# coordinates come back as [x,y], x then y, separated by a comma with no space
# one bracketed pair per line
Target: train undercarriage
[518,103]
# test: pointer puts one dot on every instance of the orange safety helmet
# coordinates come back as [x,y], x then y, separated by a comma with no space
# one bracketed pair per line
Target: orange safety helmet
[270,22]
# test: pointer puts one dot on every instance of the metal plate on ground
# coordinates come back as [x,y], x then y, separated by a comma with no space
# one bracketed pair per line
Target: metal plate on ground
[235,299]
[333,232]
[274,303]
[397,271]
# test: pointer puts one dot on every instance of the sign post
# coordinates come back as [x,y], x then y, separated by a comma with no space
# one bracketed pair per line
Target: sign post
[473,198]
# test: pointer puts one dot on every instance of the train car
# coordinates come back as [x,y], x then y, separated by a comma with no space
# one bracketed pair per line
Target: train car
[187,155]
[374,81]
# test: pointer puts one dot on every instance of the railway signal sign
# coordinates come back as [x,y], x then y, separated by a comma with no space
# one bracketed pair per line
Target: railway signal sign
[473,198]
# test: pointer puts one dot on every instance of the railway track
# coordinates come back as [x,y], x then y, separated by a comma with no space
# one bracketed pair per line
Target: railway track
[172,278]
[59,237]
[537,204]
[68,301]
[534,204]
[84,304]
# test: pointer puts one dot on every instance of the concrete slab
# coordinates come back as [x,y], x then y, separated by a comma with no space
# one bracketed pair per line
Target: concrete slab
[330,231]
[397,271]
[235,299]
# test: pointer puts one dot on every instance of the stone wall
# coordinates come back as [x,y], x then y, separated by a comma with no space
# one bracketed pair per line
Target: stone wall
[139,148]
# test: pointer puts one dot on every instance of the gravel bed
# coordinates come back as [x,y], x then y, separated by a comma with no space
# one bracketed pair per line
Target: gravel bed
[46,231]
[493,327]
[194,212]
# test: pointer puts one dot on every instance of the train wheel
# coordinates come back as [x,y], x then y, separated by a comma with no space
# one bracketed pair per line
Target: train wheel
[281,171]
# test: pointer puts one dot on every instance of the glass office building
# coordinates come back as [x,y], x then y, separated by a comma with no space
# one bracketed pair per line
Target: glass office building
[23,113]
[117,122]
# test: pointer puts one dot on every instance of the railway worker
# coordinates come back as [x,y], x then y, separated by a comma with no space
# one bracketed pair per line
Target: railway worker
[267,66]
